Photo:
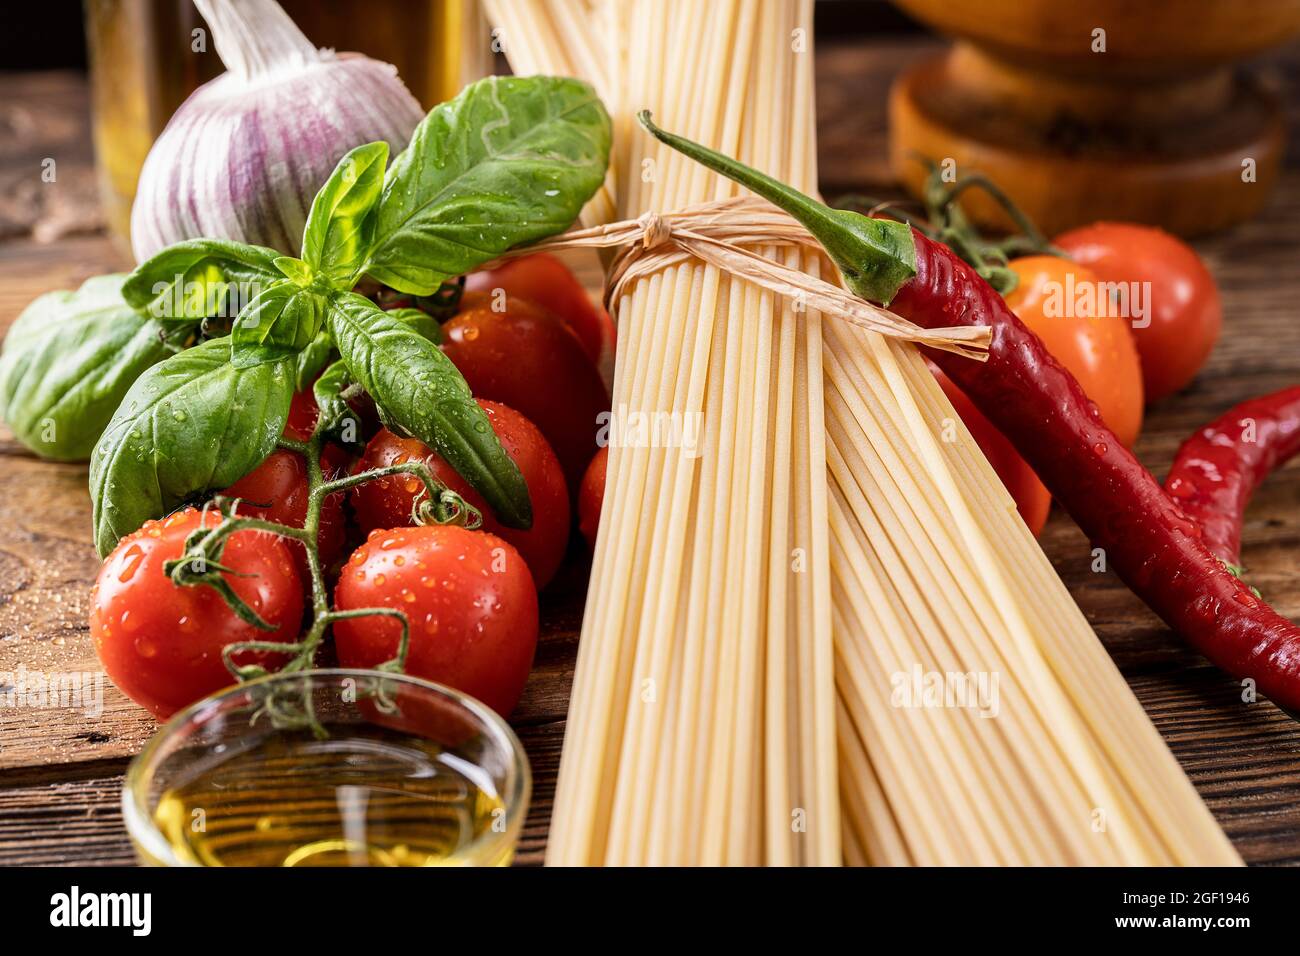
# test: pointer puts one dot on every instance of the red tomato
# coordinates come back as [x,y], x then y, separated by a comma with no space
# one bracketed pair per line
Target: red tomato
[545,281]
[1031,496]
[1183,305]
[302,416]
[386,502]
[469,601]
[592,495]
[277,488]
[527,359]
[161,643]
[1051,298]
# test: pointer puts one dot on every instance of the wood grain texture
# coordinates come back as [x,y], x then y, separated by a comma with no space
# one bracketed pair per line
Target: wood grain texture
[60,770]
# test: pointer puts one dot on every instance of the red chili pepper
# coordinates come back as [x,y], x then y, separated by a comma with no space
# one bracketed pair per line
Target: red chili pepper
[1150,542]
[1154,546]
[1218,469]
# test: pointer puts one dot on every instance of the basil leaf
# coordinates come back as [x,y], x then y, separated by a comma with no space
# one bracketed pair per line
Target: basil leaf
[294,269]
[282,321]
[421,321]
[328,391]
[338,418]
[510,160]
[190,424]
[201,278]
[309,362]
[341,225]
[419,392]
[68,360]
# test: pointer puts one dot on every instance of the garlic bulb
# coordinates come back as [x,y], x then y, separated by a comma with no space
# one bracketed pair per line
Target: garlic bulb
[244,155]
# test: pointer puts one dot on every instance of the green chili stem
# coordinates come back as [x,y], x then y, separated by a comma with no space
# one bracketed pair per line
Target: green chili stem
[875,256]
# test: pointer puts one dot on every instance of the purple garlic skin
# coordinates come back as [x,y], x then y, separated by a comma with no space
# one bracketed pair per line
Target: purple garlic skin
[242,159]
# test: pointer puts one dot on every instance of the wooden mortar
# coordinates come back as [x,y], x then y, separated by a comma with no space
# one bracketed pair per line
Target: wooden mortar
[1159,127]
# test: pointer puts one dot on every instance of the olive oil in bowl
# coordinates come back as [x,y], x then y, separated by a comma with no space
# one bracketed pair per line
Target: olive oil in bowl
[370,800]
[427,778]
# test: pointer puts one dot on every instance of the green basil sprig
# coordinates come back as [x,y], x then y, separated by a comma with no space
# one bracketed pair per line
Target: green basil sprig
[68,360]
[192,423]
[289,313]
[281,322]
[420,393]
[341,226]
[200,278]
[509,161]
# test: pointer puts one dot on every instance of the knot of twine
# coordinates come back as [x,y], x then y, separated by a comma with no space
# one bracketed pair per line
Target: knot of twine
[719,233]
[654,230]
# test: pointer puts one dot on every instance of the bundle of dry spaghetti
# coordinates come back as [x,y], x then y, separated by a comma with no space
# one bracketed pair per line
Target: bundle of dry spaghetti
[838,525]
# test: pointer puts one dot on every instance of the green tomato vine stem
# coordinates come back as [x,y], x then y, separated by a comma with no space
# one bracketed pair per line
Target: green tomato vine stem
[200,563]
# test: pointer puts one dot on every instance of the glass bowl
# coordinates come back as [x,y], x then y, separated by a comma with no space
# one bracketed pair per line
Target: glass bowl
[330,768]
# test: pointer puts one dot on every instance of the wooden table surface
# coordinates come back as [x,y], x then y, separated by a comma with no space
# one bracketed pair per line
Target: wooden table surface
[61,772]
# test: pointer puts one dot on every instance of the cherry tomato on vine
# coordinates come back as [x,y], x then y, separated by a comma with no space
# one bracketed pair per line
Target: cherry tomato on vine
[1092,342]
[1030,495]
[545,281]
[591,495]
[525,358]
[302,416]
[386,502]
[277,488]
[469,601]
[1182,304]
[161,643]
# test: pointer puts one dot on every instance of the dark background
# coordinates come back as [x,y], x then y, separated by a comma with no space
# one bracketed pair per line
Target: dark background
[48,34]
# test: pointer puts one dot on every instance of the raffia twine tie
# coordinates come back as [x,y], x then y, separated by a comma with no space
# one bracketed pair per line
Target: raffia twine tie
[718,233]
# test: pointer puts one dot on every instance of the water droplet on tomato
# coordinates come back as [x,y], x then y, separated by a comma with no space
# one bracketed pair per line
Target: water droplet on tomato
[399,560]
[380,579]
[131,562]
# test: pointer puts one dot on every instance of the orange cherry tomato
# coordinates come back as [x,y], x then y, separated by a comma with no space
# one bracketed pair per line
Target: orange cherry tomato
[1058,300]
[1182,311]
[1031,497]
